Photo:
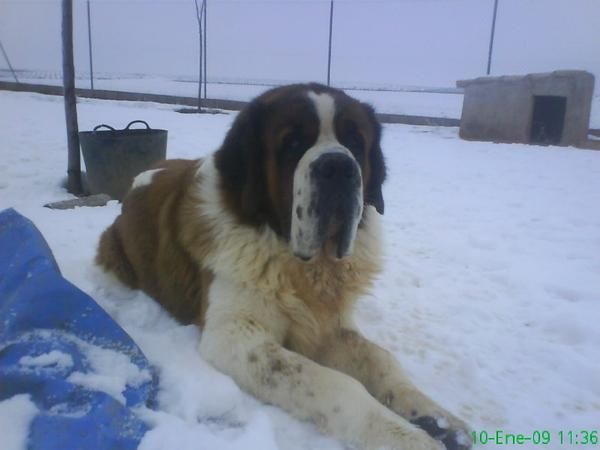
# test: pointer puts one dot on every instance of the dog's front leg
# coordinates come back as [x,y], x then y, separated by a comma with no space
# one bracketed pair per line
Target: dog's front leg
[241,338]
[348,351]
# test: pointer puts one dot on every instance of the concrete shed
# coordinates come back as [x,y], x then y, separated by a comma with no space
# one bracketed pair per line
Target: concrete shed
[545,108]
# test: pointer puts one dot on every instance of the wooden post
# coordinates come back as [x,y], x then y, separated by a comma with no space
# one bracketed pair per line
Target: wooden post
[330,36]
[74,161]
[205,5]
[199,12]
[492,33]
[89,20]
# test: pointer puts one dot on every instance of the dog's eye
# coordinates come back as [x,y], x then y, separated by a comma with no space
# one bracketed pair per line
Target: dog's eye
[292,141]
[351,137]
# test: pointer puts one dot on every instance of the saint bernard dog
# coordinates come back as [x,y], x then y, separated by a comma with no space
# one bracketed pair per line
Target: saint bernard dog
[266,245]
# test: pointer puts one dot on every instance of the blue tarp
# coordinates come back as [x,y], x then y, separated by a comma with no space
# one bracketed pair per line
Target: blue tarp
[41,312]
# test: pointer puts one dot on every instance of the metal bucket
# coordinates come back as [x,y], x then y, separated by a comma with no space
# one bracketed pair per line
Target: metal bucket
[114,157]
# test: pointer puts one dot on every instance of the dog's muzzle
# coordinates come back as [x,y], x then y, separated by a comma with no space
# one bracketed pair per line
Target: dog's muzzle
[327,204]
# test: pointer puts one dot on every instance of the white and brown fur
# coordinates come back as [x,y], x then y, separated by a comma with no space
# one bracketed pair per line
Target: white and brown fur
[216,241]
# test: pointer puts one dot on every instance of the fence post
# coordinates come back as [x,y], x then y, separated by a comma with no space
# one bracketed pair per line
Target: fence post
[330,34]
[205,52]
[199,12]
[74,162]
[90,45]
[489,64]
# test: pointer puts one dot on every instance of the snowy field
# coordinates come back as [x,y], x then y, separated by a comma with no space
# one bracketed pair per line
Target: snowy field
[411,103]
[490,296]
[390,99]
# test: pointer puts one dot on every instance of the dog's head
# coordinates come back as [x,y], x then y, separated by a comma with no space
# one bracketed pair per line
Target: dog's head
[304,160]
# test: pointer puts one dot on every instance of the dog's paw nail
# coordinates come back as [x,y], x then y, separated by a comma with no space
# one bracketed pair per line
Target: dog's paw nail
[432,426]
[439,428]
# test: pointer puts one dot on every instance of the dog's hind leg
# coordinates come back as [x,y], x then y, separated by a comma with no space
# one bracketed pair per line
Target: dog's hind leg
[112,258]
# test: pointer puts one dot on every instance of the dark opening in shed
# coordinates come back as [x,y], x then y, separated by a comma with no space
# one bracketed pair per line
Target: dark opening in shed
[548,119]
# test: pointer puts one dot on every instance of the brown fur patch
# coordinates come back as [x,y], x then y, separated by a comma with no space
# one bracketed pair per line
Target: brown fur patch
[144,249]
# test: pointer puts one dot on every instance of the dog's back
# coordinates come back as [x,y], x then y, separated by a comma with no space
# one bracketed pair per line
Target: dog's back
[142,247]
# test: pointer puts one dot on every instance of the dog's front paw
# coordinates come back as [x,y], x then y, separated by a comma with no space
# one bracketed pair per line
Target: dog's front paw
[394,433]
[451,431]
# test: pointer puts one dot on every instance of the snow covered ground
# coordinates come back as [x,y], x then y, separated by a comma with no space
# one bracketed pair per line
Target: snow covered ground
[411,103]
[490,296]
[390,99]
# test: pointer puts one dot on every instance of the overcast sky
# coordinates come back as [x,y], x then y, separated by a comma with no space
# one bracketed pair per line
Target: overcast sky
[375,42]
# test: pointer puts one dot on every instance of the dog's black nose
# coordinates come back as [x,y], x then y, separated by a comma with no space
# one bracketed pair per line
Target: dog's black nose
[335,167]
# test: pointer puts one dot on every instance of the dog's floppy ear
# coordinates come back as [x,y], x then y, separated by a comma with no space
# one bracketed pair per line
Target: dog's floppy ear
[240,163]
[377,170]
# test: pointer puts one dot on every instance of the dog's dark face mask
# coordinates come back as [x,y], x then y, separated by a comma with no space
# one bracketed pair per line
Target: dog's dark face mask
[305,160]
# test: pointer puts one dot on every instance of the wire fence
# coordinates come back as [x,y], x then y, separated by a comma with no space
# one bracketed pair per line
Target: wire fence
[375,47]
